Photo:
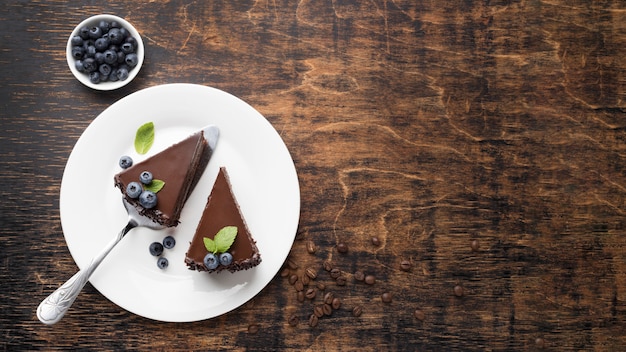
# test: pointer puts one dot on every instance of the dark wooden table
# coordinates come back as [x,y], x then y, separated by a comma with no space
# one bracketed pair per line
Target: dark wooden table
[481,143]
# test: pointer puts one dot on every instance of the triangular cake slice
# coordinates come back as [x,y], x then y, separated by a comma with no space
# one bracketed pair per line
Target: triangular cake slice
[180,167]
[222,210]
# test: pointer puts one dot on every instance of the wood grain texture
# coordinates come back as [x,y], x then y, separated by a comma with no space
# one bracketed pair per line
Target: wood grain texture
[428,124]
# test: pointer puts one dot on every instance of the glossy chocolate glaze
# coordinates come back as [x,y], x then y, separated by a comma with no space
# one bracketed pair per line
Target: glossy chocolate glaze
[180,167]
[222,210]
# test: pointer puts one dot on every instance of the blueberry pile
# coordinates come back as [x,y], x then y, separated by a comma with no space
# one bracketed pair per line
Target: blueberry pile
[134,190]
[157,248]
[106,52]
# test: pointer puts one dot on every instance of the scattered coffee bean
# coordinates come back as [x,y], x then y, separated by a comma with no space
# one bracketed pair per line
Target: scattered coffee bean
[293,278]
[299,285]
[336,303]
[291,264]
[300,296]
[370,279]
[305,280]
[335,273]
[285,272]
[541,343]
[386,297]
[328,297]
[458,291]
[357,311]
[359,275]
[253,328]
[310,247]
[313,320]
[341,280]
[321,286]
[327,309]
[293,320]
[342,247]
[419,314]
[405,265]
[328,266]
[310,293]
[318,310]
[475,245]
[375,241]
[310,272]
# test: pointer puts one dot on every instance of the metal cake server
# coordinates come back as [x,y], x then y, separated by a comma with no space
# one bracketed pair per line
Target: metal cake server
[54,307]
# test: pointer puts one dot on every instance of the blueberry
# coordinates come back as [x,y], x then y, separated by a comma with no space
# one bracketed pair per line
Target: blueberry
[104,26]
[78,52]
[145,177]
[77,40]
[104,69]
[169,242]
[79,66]
[133,190]
[101,43]
[131,60]
[120,57]
[115,36]
[131,40]
[162,263]
[90,51]
[95,32]
[210,261]
[90,64]
[148,199]
[110,57]
[122,73]
[94,77]
[99,57]
[84,33]
[156,249]
[226,259]
[127,48]
[126,162]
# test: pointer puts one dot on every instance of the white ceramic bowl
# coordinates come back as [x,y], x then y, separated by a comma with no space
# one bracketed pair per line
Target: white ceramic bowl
[83,77]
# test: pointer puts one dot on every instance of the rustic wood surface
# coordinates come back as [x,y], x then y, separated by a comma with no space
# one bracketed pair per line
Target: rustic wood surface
[426,124]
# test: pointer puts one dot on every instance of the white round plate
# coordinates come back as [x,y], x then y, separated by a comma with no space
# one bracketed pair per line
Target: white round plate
[263,178]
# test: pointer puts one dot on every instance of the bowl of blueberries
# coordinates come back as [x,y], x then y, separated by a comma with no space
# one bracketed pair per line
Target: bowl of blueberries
[105,52]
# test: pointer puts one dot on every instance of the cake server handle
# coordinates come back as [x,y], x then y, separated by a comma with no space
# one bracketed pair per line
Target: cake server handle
[54,307]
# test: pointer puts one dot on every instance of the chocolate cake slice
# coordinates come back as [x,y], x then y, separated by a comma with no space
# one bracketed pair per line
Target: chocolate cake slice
[222,210]
[180,167]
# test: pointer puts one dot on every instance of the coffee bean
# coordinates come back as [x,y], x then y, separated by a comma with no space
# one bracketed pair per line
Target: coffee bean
[419,314]
[405,265]
[291,264]
[328,310]
[318,310]
[328,266]
[293,278]
[458,291]
[357,311]
[300,296]
[328,297]
[310,293]
[313,320]
[299,285]
[336,303]
[305,280]
[335,273]
[341,280]
[375,241]
[386,297]
[475,245]
[342,247]
[310,247]
[321,286]
[293,320]
[253,328]
[285,272]
[541,343]
[310,272]
[359,275]
[370,279]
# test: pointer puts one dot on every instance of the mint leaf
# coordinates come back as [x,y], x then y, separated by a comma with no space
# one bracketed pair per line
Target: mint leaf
[154,186]
[144,138]
[209,244]
[225,238]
